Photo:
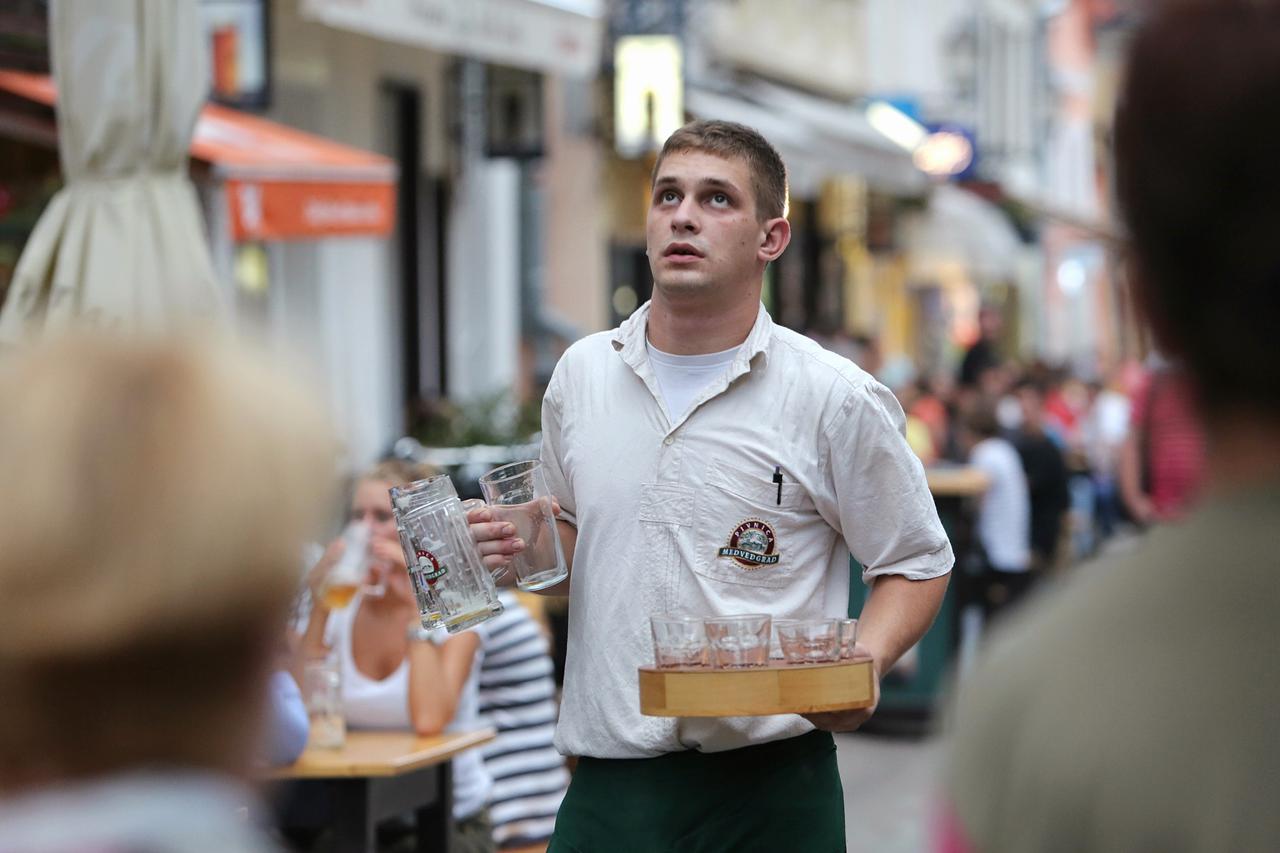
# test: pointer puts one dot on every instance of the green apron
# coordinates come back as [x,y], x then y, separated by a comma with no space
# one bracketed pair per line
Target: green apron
[779,796]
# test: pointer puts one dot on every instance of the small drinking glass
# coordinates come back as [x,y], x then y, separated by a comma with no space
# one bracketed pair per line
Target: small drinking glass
[775,647]
[678,641]
[739,641]
[848,637]
[810,641]
[324,704]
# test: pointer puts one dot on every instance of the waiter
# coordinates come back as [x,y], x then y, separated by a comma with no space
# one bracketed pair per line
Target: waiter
[710,461]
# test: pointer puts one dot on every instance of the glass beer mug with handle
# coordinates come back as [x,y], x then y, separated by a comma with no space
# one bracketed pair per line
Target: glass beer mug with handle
[450,581]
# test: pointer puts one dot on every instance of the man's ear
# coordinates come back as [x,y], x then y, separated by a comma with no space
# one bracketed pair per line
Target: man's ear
[777,234]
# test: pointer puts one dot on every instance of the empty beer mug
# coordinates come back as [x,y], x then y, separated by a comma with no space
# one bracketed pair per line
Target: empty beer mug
[517,493]
[450,581]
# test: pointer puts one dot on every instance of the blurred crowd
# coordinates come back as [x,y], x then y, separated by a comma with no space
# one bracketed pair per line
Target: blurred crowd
[1071,461]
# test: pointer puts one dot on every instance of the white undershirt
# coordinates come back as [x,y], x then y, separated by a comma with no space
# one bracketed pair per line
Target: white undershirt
[681,378]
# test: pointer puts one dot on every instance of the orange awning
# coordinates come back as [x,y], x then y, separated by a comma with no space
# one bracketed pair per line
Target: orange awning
[281,183]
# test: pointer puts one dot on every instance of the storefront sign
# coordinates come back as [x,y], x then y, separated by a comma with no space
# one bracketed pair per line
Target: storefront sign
[561,36]
[947,152]
[648,93]
[293,210]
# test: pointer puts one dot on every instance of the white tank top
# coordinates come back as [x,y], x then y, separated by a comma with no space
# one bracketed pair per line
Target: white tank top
[384,704]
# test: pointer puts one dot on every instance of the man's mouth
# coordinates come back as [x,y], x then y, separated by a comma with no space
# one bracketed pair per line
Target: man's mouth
[681,252]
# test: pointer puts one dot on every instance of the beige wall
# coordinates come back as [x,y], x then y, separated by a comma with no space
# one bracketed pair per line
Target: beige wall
[327,81]
[576,231]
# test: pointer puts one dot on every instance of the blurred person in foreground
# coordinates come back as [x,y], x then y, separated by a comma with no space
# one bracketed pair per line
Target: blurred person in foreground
[1136,709]
[155,498]
[720,464]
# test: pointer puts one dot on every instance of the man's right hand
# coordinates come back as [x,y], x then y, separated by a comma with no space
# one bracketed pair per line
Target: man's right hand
[497,541]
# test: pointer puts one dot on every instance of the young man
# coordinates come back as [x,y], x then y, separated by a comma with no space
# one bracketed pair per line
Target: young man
[673,443]
[1136,710]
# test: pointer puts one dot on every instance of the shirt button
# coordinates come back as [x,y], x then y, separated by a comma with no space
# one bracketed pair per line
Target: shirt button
[669,440]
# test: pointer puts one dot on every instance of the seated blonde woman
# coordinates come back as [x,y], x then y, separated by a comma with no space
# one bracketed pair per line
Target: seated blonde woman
[155,496]
[394,674]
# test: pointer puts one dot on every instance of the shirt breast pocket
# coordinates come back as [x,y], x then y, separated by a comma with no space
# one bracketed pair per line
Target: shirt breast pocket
[746,535]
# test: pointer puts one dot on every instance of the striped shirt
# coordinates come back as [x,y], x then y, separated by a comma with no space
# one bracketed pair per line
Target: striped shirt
[518,699]
[1172,440]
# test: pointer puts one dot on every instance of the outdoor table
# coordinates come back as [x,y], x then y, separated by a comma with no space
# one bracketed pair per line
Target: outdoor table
[378,775]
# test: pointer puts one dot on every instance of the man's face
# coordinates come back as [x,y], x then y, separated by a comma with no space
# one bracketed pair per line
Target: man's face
[702,230]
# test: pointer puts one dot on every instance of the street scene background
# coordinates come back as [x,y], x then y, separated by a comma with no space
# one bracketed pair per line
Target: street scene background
[423,203]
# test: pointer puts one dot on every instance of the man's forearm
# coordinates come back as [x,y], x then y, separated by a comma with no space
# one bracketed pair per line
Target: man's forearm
[897,614]
[568,541]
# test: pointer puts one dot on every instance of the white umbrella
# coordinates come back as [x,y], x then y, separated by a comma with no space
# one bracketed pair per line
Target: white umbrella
[122,244]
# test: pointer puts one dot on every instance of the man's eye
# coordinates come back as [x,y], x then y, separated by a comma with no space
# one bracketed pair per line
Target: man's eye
[720,198]
[668,196]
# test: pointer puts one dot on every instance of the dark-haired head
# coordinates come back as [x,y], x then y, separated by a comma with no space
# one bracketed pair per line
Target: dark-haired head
[1199,188]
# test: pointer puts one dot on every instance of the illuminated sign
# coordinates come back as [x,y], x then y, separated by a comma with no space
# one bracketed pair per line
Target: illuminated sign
[648,93]
[944,154]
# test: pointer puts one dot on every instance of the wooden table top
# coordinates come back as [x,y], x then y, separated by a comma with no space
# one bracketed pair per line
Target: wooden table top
[958,481]
[380,754]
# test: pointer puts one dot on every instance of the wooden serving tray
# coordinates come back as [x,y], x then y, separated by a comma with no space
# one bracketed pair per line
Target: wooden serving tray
[775,689]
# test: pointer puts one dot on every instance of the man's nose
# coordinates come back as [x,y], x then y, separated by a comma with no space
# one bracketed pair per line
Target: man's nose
[685,217]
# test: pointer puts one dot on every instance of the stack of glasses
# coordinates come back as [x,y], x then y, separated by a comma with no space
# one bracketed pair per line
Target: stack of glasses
[749,640]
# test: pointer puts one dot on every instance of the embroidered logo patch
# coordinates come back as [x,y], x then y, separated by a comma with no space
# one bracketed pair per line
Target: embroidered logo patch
[752,545]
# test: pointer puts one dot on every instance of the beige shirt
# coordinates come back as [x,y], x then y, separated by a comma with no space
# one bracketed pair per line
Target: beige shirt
[685,514]
[1135,710]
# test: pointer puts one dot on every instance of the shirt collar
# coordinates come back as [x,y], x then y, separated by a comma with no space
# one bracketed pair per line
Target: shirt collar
[629,339]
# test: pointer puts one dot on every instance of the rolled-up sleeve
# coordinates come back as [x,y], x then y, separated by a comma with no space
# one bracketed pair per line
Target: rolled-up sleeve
[552,455]
[881,498]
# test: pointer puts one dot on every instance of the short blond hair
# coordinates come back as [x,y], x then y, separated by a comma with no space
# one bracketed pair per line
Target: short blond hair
[156,497]
[729,139]
[397,472]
